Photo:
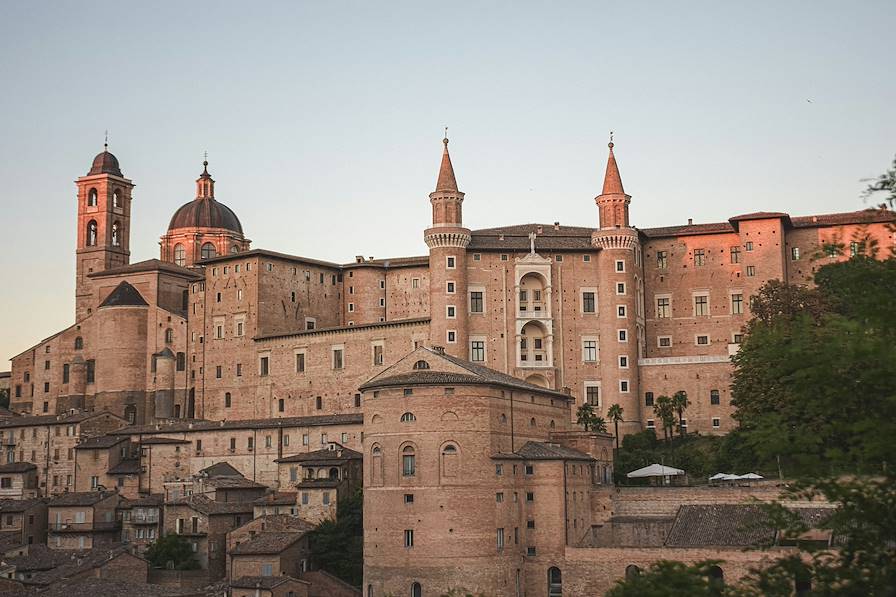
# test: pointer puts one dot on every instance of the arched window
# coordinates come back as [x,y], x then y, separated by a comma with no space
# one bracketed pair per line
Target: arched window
[207,251]
[116,199]
[421,365]
[552,424]
[408,462]
[632,571]
[532,422]
[716,577]
[555,582]
[234,249]
[449,461]
[91,233]
[180,255]
[91,198]
[503,418]
[334,473]
[79,343]
[408,418]
[130,414]
[177,411]
[227,400]
[416,590]
[376,466]
[169,336]
[116,234]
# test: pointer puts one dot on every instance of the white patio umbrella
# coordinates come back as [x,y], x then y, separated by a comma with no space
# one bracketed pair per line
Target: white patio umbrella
[718,476]
[655,470]
[752,476]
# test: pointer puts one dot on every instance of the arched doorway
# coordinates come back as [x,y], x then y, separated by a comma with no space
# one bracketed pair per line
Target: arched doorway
[555,582]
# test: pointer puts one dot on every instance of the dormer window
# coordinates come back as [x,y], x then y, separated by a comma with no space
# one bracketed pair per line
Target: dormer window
[421,365]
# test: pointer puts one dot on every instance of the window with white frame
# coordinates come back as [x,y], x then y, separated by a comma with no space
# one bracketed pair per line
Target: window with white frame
[592,393]
[664,341]
[589,300]
[663,306]
[623,361]
[477,299]
[300,361]
[620,288]
[218,324]
[716,422]
[450,261]
[310,323]
[620,265]
[239,325]
[702,340]
[623,386]
[651,424]
[338,361]
[701,305]
[589,350]
[737,303]
[415,282]
[622,335]
[477,349]
[449,287]
[450,311]
[620,311]
[377,350]
[451,336]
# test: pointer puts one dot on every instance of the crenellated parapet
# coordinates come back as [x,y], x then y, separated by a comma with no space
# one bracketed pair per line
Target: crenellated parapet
[616,238]
[436,239]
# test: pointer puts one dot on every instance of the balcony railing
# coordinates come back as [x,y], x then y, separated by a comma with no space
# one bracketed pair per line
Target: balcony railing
[85,527]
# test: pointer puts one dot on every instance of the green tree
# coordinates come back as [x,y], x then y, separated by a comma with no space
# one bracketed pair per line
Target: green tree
[591,421]
[664,410]
[885,183]
[337,546]
[172,551]
[4,397]
[615,413]
[673,579]
[680,403]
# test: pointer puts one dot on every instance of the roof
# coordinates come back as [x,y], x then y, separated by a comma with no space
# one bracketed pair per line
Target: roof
[272,255]
[19,505]
[105,163]
[17,467]
[347,328]
[201,425]
[446,180]
[268,543]
[38,420]
[99,443]
[476,375]
[544,451]
[278,498]
[94,587]
[612,180]
[552,237]
[263,582]
[162,440]
[124,295]
[149,265]
[864,216]
[220,469]
[326,455]
[234,483]
[318,484]
[156,499]
[391,262]
[205,212]
[688,230]
[655,470]
[80,498]
[279,523]
[127,466]
[209,507]
[720,525]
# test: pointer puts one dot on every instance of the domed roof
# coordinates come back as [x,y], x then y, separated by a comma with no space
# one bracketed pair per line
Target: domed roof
[105,163]
[205,212]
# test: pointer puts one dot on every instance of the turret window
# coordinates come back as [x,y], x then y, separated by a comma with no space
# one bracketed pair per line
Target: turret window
[116,234]
[116,199]
[180,255]
[207,251]
[91,233]
[91,198]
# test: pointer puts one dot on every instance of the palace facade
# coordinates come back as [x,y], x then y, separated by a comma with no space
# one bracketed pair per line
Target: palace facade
[610,313]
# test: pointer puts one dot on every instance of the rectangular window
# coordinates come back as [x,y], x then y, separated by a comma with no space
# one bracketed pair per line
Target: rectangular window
[735,254]
[300,362]
[338,358]
[794,253]
[737,338]
[663,307]
[623,335]
[500,539]
[377,355]
[530,496]
[65,373]
[716,422]
[592,394]
[853,249]
[620,310]
[714,397]
[239,369]
[662,260]
[351,307]
[264,366]
[476,305]
[664,341]
[91,371]
[586,258]
[449,262]
[477,350]
[589,351]
[737,304]
[588,303]
[751,271]
[651,424]
[499,497]
[620,265]
[409,538]
[218,371]
[749,245]
[620,288]
[450,288]
[452,336]
[499,469]
[699,257]
[623,385]
[623,362]
[648,398]
[477,256]
[702,340]
[701,305]
[409,498]
[326,498]
[450,311]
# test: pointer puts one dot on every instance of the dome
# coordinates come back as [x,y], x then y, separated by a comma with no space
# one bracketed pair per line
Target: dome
[105,163]
[205,212]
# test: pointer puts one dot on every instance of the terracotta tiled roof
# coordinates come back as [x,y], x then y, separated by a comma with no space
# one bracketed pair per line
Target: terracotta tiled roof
[339,453]
[149,265]
[262,582]
[688,230]
[347,328]
[267,543]
[280,523]
[204,505]
[446,180]
[544,451]
[124,295]
[390,262]
[128,466]
[278,498]
[731,525]
[476,375]
[19,505]
[99,443]
[98,587]
[81,498]
[156,499]
[318,484]
[38,420]
[516,238]
[864,216]
[220,469]
[161,440]
[612,180]
[17,467]
[273,423]
[205,212]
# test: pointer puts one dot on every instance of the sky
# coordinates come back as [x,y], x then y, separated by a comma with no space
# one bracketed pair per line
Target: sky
[323,120]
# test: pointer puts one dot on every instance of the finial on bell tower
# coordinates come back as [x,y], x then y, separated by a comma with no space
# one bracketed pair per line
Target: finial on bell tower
[610,144]
[106,141]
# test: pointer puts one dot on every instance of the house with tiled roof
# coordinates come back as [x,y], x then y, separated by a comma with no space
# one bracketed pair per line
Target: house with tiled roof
[321,479]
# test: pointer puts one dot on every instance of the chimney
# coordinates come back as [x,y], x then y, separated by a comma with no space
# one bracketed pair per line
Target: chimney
[438,349]
[690,221]
[539,230]
[359,259]
[556,225]
[500,237]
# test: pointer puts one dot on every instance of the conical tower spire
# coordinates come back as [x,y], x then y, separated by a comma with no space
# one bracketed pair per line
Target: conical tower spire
[446,181]
[612,180]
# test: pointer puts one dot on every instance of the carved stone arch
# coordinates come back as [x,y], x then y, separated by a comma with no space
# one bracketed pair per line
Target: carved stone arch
[449,460]
[538,379]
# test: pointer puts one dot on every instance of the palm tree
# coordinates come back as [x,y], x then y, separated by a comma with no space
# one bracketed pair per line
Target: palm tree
[680,403]
[586,417]
[615,415]
[599,425]
[665,412]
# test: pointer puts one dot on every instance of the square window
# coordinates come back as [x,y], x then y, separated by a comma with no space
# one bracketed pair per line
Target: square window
[530,469]
[702,340]
[651,424]
[477,256]
[503,256]
[409,498]
[664,341]
[737,338]
[559,258]
[586,258]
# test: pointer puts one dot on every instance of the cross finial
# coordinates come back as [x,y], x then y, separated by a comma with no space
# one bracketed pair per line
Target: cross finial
[106,141]
[445,140]
[610,145]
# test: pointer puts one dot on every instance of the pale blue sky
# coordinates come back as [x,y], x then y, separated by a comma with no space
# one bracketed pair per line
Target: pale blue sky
[323,120]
